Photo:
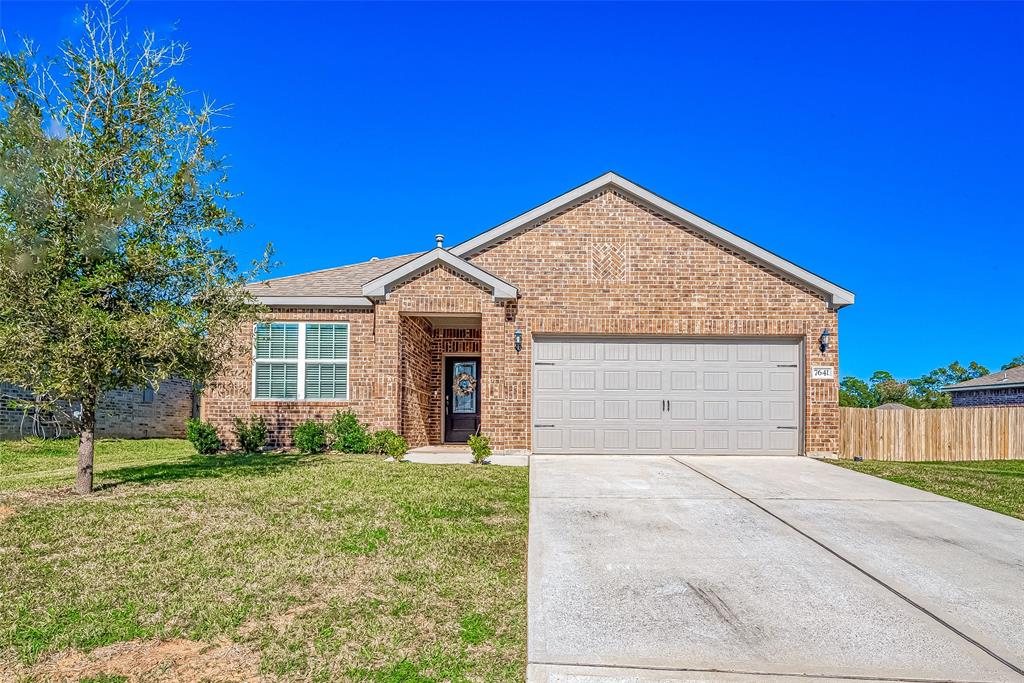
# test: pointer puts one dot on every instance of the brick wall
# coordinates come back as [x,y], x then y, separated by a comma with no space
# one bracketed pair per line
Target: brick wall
[418,399]
[606,266]
[988,397]
[609,266]
[123,413]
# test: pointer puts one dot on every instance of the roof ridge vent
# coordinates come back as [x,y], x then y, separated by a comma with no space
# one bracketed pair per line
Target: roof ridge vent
[375,258]
[440,240]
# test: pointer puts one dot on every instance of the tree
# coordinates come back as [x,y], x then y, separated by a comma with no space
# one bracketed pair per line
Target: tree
[1014,363]
[927,387]
[110,199]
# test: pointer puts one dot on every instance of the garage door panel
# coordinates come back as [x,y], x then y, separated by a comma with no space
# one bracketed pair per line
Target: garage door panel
[666,396]
[648,380]
[683,380]
[715,381]
[648,439]
[649,409]
[683,410]
[549,409]
[617,409]
[648,352]
[615,380]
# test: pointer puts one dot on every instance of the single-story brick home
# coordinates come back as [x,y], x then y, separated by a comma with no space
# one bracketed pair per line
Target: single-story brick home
[1003,388]
[607,320]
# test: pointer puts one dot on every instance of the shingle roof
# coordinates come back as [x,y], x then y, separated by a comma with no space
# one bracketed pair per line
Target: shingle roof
[894,406]
[341,281]
[995,380]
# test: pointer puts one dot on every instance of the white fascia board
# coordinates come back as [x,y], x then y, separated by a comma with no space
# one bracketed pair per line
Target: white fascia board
[981,387]
[337,301]
[838,296]
[501,290]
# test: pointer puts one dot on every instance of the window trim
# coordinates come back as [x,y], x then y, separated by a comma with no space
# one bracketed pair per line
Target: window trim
[301,361]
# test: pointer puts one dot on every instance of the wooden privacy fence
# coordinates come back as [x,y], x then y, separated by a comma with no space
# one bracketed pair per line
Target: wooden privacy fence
[936,434]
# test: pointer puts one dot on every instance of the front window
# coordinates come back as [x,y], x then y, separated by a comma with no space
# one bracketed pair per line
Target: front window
[301,361]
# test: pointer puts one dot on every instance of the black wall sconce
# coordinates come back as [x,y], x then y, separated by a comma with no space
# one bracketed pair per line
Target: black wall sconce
[517,340]
[823,341]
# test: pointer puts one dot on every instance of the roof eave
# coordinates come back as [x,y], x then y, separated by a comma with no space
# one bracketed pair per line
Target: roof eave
[319,301]
[978,387]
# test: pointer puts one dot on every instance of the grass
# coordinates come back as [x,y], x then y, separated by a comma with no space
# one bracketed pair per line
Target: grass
[992,484]
[289,567]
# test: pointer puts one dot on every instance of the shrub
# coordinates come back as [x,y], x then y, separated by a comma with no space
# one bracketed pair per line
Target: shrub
[203,436]
[386,442]
[348,434]
[310,437]
[251,435]
[481,447]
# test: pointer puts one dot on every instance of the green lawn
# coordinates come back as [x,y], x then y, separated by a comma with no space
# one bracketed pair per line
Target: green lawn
[270,567]
[993,484]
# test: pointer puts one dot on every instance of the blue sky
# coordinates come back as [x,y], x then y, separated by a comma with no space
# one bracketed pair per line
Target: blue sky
[879,145]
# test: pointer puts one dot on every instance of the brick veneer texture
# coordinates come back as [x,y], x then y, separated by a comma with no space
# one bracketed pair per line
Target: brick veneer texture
[122,414]
[604,266]
[1012,396]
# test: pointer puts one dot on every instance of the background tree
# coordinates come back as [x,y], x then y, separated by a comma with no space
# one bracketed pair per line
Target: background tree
[923,392]
[927,388]
[1014,363]
[110,198]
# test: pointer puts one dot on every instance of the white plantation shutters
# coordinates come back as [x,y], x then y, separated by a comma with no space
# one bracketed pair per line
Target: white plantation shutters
[277,361]
[300,361]
[326,361]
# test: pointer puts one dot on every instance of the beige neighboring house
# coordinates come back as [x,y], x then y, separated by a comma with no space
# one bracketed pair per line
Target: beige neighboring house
[606,320]
[128,413]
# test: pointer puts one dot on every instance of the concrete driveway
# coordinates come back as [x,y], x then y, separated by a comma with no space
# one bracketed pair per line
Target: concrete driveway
[677,569]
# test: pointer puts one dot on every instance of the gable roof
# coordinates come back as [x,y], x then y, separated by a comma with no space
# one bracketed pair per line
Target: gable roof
[379,287]
[836,295]
[353,285]
[1003,379]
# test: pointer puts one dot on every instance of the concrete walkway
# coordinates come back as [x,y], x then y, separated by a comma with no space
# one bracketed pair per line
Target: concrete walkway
[743,569]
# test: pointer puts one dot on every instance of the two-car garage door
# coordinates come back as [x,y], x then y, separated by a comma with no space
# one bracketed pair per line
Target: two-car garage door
[666,396]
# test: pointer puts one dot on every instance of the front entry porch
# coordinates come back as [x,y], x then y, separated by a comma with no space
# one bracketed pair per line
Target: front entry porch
[440,378]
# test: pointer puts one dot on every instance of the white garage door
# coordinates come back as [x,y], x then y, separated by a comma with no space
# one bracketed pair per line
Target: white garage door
[666,396]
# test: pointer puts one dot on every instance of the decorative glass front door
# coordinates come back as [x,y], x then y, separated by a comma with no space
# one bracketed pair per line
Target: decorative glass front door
[462,398]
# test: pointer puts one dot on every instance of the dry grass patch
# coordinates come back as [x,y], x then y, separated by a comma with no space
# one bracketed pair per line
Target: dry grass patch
[322,568]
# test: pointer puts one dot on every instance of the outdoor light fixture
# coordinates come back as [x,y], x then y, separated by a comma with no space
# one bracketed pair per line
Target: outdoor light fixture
[823,341]
[517,338]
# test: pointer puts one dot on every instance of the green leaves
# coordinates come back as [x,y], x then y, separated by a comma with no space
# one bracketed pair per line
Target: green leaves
[923,392]
[109,273]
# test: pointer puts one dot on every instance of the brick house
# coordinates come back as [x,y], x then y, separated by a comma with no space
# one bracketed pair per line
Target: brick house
[607,320]
[139,413]
[1003,388]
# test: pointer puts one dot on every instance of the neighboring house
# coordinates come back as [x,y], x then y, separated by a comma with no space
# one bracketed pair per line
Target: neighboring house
[126,413]
[607,320]
[1003,388]
[894,406]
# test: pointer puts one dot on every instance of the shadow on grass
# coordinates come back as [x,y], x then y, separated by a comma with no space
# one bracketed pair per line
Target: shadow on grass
[234,465]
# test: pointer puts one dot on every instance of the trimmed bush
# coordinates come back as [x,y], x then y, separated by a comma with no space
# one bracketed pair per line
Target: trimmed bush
[203,436]
[481,447]
[251,434]
[348,434]
[386,442]
[310,437]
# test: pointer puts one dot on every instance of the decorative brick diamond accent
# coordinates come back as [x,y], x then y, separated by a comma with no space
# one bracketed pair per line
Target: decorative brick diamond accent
[609,262]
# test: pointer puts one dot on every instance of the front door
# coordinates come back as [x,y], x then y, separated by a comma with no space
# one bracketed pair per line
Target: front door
[461,398]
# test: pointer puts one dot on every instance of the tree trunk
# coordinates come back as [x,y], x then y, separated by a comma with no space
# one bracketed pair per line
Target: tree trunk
[86,445]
